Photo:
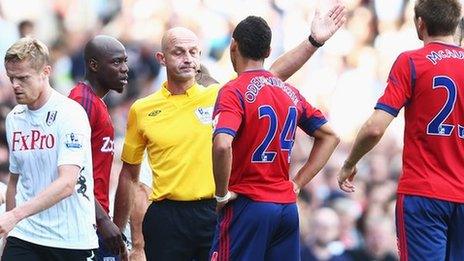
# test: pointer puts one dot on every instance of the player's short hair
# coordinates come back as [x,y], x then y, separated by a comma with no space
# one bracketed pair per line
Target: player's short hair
[253,37]
[440,16]
[28,49]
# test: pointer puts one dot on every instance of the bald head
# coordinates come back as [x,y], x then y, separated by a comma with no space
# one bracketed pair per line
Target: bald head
[177,34]
[101,46]
[106,64]
[180,54]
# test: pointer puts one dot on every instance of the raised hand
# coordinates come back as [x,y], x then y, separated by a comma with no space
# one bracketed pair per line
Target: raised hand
[325,25]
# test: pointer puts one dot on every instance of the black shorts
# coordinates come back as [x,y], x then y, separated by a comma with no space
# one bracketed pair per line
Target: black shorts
[179,230]
[19,250]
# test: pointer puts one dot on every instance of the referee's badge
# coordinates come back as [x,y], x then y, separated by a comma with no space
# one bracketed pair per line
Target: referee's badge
[205,115]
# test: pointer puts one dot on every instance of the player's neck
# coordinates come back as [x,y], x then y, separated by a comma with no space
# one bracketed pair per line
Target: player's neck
[42,99]
[441,39]
[99,90]
[249,65]
[176,87]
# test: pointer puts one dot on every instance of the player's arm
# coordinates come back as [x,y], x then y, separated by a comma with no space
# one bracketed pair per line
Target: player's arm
[112,236]
[11,192]
[222,162]
[222,165]
[368,136]
[59,189]
[128,179]
[325,142]
[136,219]
[228,117]
[322,28]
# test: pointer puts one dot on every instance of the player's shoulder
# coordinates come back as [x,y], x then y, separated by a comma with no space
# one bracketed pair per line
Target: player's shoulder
[232,85]
[83,93]
[19,111]
[407,55]
[69,106]
[78,90]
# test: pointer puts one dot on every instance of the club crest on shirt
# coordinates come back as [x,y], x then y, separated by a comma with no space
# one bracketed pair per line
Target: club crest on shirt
[205,115]
[51,116]
[73,140]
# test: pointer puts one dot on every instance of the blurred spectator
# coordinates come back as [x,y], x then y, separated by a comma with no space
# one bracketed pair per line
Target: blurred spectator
[379,236]
[26,28]
[323,241]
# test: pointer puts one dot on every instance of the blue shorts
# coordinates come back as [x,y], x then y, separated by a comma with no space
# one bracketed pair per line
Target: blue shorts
[251,230]
[429,229]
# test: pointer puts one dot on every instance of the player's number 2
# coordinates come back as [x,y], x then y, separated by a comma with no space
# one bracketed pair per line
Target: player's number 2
[287,136]
[436,126]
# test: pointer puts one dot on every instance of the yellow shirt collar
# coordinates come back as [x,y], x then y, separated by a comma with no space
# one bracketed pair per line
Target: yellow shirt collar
[191,91]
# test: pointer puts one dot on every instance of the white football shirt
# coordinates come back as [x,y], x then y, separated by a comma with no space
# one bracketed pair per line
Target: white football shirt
[39,141]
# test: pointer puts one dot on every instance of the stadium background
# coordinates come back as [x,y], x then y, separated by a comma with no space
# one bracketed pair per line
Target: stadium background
[344,79]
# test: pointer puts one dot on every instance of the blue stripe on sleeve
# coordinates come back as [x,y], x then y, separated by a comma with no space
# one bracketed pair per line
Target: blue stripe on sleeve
[309,125]
[380,106]
[226,131]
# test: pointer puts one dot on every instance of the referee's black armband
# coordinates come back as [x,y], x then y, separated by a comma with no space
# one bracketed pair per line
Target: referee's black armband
[314,42]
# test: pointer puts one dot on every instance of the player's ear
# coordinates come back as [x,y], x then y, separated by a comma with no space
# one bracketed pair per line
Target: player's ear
[47,70]
[233,45]
[420,24]
[159,56]
[93,65]
[268,52]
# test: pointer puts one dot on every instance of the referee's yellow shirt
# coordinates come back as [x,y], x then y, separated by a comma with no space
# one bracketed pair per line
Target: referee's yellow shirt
[176,130]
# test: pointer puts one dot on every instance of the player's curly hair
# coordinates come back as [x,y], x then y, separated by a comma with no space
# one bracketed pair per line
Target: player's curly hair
[440,16]
[253,37]
[28,49]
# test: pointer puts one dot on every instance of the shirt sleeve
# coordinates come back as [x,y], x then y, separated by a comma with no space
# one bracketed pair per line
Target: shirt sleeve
[399,86]
[135,142]
[73,139]
[228,111]
[311,118]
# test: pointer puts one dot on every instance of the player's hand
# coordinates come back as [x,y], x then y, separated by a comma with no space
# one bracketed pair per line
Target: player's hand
[296,188]
[346,176]
[2,244]
[220,205]
[124,256]
[7,222]
[112,236]
[325,25]
[137,254]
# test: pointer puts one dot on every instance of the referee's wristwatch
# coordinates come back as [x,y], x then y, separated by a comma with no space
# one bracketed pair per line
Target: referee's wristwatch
[224,198]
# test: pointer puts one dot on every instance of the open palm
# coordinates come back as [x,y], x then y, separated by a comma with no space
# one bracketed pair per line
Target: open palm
[325,25]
